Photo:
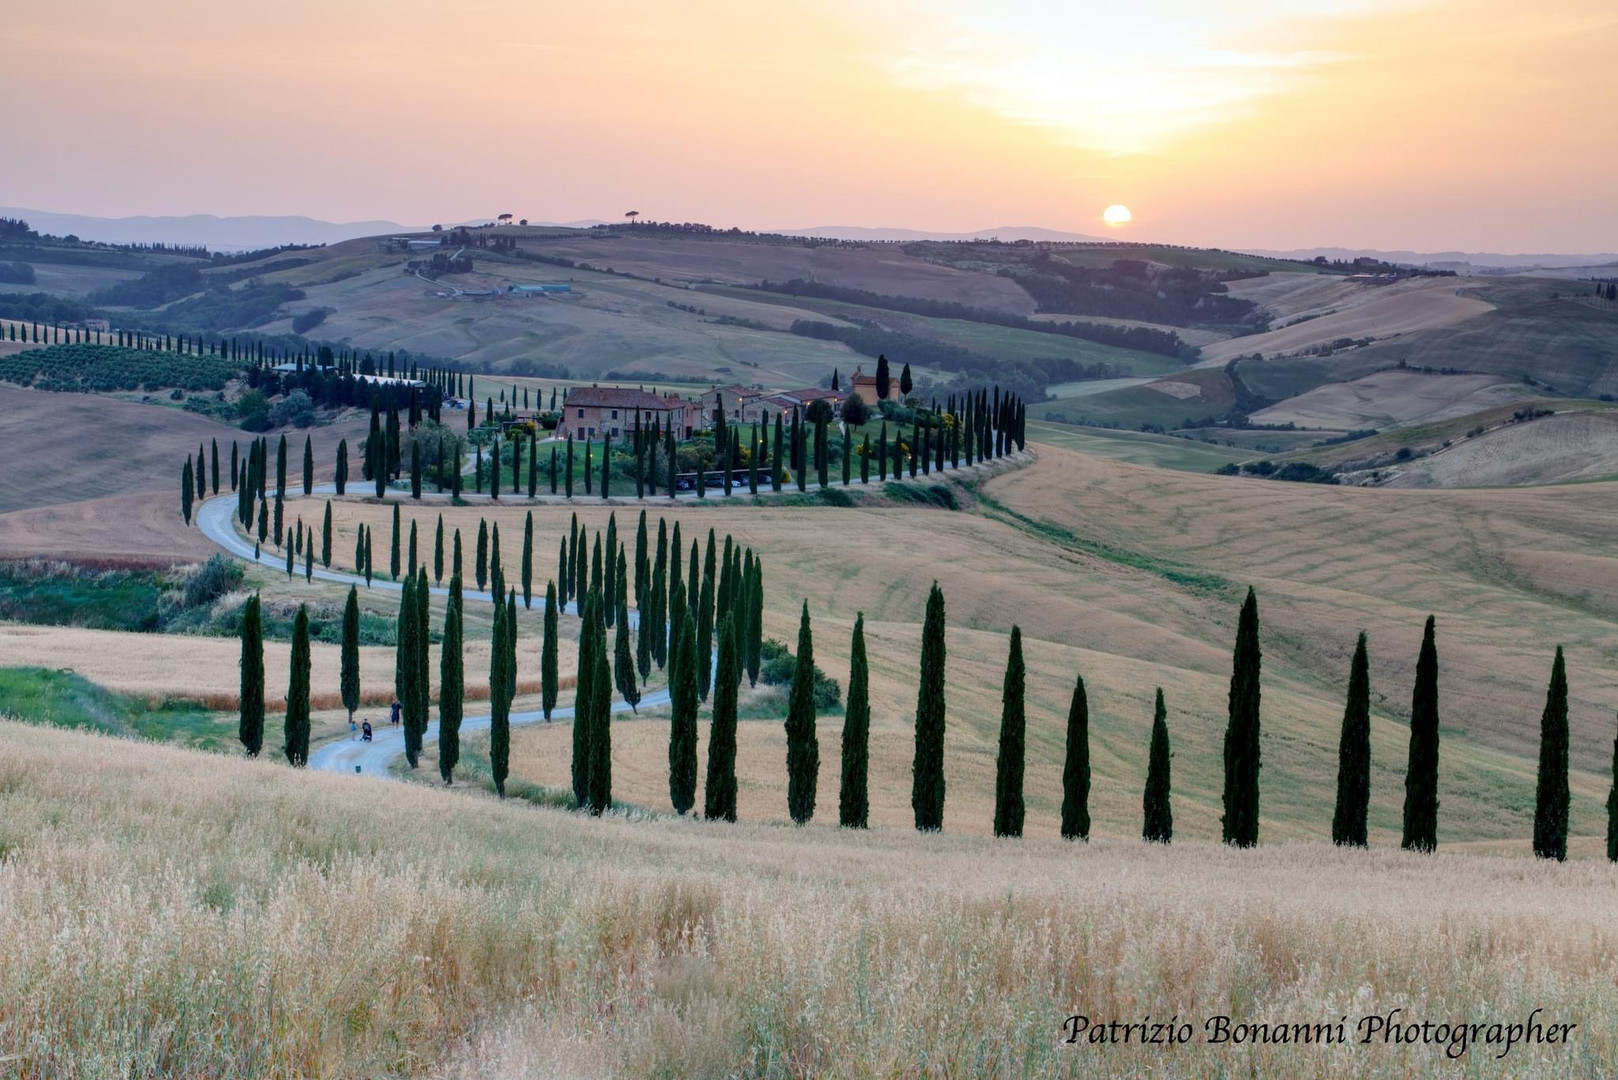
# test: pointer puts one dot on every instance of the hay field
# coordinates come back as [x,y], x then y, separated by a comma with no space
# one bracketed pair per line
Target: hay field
[1131,577]
[1343,309]
[1552,449]
[184,914]
[1394,399]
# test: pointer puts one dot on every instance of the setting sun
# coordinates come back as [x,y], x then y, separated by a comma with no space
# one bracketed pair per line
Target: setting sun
[1116,215]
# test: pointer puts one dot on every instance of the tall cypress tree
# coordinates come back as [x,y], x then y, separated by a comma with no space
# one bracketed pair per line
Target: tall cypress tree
[187,491]
[351,652]
[754,645]
[297,722]
[451,684]
[927,770]
[854,797]
[1551,797]
[600,713]
[1421,776]
[251,729]
[438,552]
[583,691]
[623,659]
[410,561]
[528,561]
[499,705]
[683,725]
[719,794]
[404,666]
[308,465]
[1158,818]
[1349,820]
[325,538]
[1076,768]
[497,565]
[705,622]
[481,566]
[1612,807]
[1008,778]
[803,749]
[547,653]
[393,557]
[1240,819]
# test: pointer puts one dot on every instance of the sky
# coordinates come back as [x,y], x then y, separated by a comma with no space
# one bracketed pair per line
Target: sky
[1479,125]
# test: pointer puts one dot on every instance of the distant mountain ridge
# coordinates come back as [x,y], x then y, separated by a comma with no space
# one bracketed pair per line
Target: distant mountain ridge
[246,233]
[1446,259]
[1005,232]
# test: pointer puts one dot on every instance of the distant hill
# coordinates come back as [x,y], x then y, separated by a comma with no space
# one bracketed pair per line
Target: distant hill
[1005,232]
[1448,260]
[249,233]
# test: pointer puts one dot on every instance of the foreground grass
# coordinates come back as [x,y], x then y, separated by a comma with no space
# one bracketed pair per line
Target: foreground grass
[164,912]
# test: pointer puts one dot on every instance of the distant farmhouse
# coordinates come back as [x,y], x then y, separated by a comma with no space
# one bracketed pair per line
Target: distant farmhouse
[741,404]
[865,386]
[594,412]
[784,404]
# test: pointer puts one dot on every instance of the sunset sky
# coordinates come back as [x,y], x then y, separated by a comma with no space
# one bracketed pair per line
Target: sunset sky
[1411,124]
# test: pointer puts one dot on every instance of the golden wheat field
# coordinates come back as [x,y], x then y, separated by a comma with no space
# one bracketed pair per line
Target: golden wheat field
[167,912]
[1130,577]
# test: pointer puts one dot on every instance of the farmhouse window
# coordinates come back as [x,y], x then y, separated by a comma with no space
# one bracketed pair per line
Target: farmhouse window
[581,414]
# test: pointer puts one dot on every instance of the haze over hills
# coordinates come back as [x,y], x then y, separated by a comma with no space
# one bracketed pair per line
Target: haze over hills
[1450,259]
[1004,232]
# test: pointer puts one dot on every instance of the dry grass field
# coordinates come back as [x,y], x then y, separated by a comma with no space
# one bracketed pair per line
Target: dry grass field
[1393,399]
[1553,449]
[1130,577]
[1312,309]
[173,913]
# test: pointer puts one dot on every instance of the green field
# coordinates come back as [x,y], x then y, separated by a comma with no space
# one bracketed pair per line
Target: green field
[1132,406]
[61,698]
[1138,448]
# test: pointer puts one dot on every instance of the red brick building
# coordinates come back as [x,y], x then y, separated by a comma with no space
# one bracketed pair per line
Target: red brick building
[595,412]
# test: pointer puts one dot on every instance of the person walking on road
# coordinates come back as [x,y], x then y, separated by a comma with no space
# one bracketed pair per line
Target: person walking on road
[396,708]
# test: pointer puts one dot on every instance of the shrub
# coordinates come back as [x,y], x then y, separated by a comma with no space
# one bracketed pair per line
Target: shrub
[778,665]
[213,579]
[297,409]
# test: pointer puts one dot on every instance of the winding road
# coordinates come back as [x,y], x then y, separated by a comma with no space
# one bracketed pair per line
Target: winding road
[215,518]
[374,758]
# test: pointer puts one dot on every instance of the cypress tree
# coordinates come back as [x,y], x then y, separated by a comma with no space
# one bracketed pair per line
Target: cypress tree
[583,690]
[369,563]
[1076,768]
[803,749]
[528,562]
[297,721]
[683,725]
[499,705]
[340,470]
[1421,776]
[325,538]
[410,562]
[1240,819]
[854,800]
[589,466]
[393,550]
[719,793]
[1551,796]
[350,652]
[927,770]
[569,466]
[623,659]
[308,465]
[214,465]
[251,729]
[438,552]
[187,491]
[553,469]
[705,622]
[596,578]
[289,558]
[1008,781]
[497,573]
[404,666]
[1349,820]
[481,565]
[547,653]
[754,645]
[1158,824]
[455,560]
[451,684]
[235,464]
[609,569]
[693,583]
[601,713]
[1612,807]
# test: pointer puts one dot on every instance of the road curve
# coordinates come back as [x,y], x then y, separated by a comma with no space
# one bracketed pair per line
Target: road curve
[374,758]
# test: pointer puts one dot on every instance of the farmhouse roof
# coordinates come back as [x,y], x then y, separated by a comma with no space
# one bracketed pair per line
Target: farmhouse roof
[736,390]
[620,397]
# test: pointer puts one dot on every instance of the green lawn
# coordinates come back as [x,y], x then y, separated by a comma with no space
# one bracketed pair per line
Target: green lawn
[63,699]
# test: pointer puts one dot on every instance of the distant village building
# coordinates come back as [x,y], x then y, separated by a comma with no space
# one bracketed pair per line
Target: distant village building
[800,400]
[865,386]
[594,412]
[741,404]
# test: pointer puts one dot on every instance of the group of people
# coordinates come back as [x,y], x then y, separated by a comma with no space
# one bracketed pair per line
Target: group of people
[362,731]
